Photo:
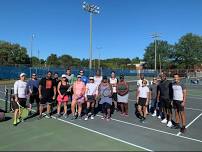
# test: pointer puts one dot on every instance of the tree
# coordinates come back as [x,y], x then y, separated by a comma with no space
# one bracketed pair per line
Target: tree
[165,51]
[65,60]
[52,60]
[188,53]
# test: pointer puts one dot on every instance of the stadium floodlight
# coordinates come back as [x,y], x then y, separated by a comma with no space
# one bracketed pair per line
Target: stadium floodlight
[92,9]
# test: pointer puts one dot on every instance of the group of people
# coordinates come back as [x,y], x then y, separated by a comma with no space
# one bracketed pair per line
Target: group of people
[87,93]
[83,92]
[160,98]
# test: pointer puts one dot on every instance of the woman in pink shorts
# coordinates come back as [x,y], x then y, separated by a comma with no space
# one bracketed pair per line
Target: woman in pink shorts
[63,87]
[78,97]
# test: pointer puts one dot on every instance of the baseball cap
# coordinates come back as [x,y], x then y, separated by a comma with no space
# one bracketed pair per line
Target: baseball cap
[22,74]
[105,77]
[64,76]
[91,78]
[79,76]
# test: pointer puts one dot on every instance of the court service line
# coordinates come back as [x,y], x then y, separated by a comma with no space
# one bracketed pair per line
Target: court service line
[190,123]
[94,131]
[156,130]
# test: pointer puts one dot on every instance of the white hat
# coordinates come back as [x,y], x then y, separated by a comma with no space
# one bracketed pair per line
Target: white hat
[64,76]
[91,78]
[22,74]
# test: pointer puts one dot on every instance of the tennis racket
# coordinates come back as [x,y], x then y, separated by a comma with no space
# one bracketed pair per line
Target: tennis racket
[23,112]
[107,92]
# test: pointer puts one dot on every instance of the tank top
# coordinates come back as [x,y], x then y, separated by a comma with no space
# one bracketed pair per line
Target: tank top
[64,88]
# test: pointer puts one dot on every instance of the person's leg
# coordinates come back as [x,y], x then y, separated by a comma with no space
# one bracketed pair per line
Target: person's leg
[104,110]
[79,110]
[183,119]
[58,108]
[15,117]
[108,108]
[140,110]
[145,111]
[73,105]
[122,108]
[126,108]
[65,107]
[93,108]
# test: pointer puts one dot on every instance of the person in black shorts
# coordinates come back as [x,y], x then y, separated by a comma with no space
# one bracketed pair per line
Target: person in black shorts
[33,85]
[164,97]
[47,93]
[179,100]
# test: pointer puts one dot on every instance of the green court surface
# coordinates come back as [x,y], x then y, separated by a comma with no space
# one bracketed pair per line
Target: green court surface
[53,135]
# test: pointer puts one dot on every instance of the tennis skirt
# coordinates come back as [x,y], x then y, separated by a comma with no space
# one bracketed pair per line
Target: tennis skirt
[123,99]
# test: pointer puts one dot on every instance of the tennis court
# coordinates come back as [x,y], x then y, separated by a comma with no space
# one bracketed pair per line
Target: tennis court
[120,134]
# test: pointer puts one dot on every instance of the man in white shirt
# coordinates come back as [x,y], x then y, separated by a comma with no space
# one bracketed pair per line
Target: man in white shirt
[21,91]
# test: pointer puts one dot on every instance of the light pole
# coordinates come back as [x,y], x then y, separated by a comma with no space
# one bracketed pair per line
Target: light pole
[99,48]
[92,9]
[32,39]
[155,36]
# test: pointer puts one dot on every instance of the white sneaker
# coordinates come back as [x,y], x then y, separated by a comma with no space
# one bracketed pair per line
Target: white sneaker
[92,117]
[164,121]
[159,117]
[86,118]
[169,124]
[154,114]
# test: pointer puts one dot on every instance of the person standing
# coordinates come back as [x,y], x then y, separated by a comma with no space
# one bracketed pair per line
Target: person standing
[122,91]
[113,81]
[78,97]
[90,95]
[179,101]
[83,77]
[105,92]
[164,98]
[33,85]
[21,92]
[47,93]
[143,100]
[62,97]
[153,97]
[71,79]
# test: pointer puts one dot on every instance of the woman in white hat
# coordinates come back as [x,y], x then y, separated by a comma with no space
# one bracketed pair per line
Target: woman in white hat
[90,95]
[62,89]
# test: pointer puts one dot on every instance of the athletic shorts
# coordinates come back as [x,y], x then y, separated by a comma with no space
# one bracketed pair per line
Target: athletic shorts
[62,99]
[90,98]
[44,101]
[34,98]
[106,106]
[80,100]
[22,102]
[165,103]
[177,105]
[114,96]
[142,101]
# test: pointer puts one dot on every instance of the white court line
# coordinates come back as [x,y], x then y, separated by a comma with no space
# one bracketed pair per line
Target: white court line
[190,123]
[94,131]
[156,130]
[194,97]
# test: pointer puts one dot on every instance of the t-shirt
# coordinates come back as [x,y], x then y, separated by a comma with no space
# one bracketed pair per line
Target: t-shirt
[91,89]
[178,91]
[47,86]
[33,85]
[97,80]
[139,82]
[165,89]
[122,87]
[78,87]
[21,89]
[153,89]
[84,79]
[143,90]
[70,79]
[113,82]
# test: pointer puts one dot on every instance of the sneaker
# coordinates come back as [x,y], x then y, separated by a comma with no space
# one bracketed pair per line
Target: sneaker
[79,117]
[122,114]
[40,117]
[142,120]
[86,118]
[154,114]
[91,117]
[65,115]
[58,115]
[164,121]
[18,120]
[176,126]
[169,124]
[103,117]
[159,117]
[183,130]
[48,115]
[126,114]
[108,118]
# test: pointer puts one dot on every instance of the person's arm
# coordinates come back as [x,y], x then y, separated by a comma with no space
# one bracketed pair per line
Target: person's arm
[158,94]
[137,95]
[86,91]
[184,96]
[58,88]
[54,89]
[16,91]
[40,88]
[148,97]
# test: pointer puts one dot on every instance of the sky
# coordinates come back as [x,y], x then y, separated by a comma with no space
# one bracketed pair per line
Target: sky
[123,28]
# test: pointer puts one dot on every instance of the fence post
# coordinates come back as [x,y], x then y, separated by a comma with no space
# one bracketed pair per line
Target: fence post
[11,98]
[6,100]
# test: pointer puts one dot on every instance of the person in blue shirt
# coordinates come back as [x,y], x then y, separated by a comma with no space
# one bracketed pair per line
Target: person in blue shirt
[83,77]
